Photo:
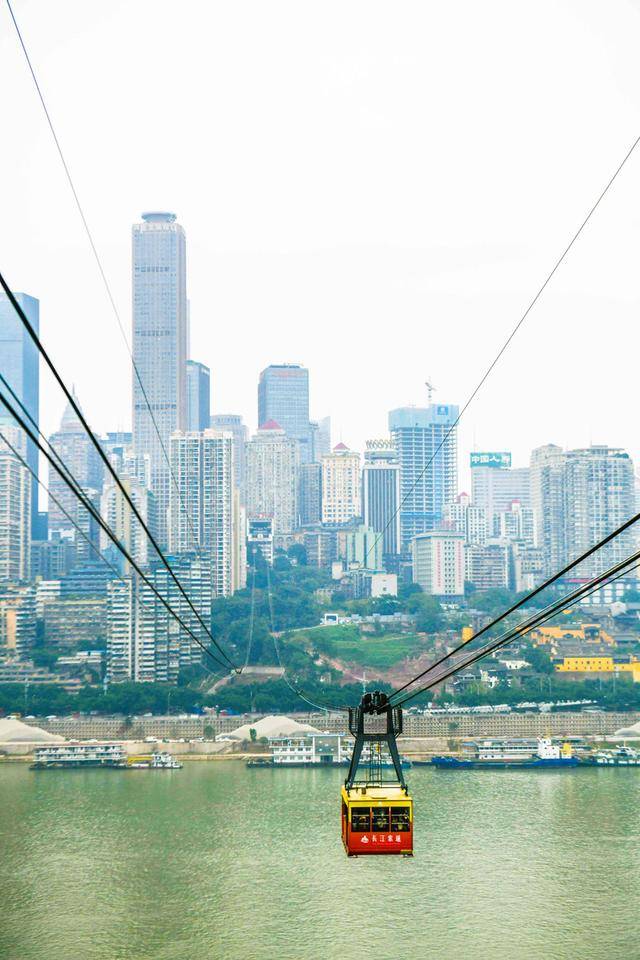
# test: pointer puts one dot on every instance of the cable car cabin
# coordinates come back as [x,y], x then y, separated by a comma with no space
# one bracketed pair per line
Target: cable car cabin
[377,813]
[377,820]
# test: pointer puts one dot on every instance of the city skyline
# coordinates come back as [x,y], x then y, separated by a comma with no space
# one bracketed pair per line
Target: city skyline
[422,284]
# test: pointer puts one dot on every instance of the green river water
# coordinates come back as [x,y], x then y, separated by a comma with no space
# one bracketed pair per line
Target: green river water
[218,861]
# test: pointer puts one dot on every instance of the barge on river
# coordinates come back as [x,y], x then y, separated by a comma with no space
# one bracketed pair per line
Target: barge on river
[110,756]
[499,754]
[317,750]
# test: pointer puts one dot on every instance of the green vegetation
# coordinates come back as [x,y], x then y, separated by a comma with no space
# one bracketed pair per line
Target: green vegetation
[348,644]
[121,698]
[292,600]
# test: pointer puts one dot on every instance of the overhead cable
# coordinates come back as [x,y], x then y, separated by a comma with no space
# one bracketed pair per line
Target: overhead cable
[106,461]
[86,502]
[505,345]
[96,550]
[621,569]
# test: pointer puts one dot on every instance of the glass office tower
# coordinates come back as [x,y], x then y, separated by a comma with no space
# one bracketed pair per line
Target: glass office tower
[159,346]
[20,367]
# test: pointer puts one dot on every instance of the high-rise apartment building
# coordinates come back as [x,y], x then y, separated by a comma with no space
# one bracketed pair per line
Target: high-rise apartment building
[202,501]
[272,478]
[198,396]
[120,517]
[438,563]
[15,509]
[283,397]
[489,567]
[341,500]
[17,619]
[233,423]
[145,643]
[495,484]
[426,441]
[516,523]
[547,472]
[381,494]
[75,449]
[19,365]
[465,517]
[599,496]
[581,496]
[159,347]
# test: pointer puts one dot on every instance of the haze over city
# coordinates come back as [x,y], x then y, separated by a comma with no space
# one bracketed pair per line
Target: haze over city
[378,199]
[319,480]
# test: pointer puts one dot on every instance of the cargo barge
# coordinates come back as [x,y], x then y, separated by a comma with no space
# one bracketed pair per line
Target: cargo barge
[538,754]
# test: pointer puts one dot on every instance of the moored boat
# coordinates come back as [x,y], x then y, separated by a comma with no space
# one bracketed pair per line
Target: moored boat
[160,760]
[69,756]
[537,754]
[619,757]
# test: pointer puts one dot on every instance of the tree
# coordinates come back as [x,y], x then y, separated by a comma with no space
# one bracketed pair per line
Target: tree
[297,554]
[428,612]
[253,734]
[538,658]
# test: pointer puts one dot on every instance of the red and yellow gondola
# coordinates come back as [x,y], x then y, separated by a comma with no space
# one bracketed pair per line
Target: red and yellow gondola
[377,814]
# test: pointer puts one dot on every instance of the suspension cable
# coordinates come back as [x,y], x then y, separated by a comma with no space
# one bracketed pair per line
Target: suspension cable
[90,508]
[524,600]
[505,345]
[117,573]
[106,461]
[60,465]
[101,269]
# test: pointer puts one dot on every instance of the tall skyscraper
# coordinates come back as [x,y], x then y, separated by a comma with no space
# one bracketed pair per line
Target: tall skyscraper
[198,396]
[202,501]
[75,449]
[428,471]
[548,501]
[283,396]
[19,364]
[381,494]
[495,484]
[341,501]
[159,346]
[232,423]
[15,509]
[272,478]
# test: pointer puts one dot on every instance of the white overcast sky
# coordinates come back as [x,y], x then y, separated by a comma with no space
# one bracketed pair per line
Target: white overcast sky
[376,190]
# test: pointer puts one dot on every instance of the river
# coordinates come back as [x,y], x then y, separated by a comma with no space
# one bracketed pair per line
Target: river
[218,861]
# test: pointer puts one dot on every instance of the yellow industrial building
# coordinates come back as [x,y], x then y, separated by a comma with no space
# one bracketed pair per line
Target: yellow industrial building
[595,664]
